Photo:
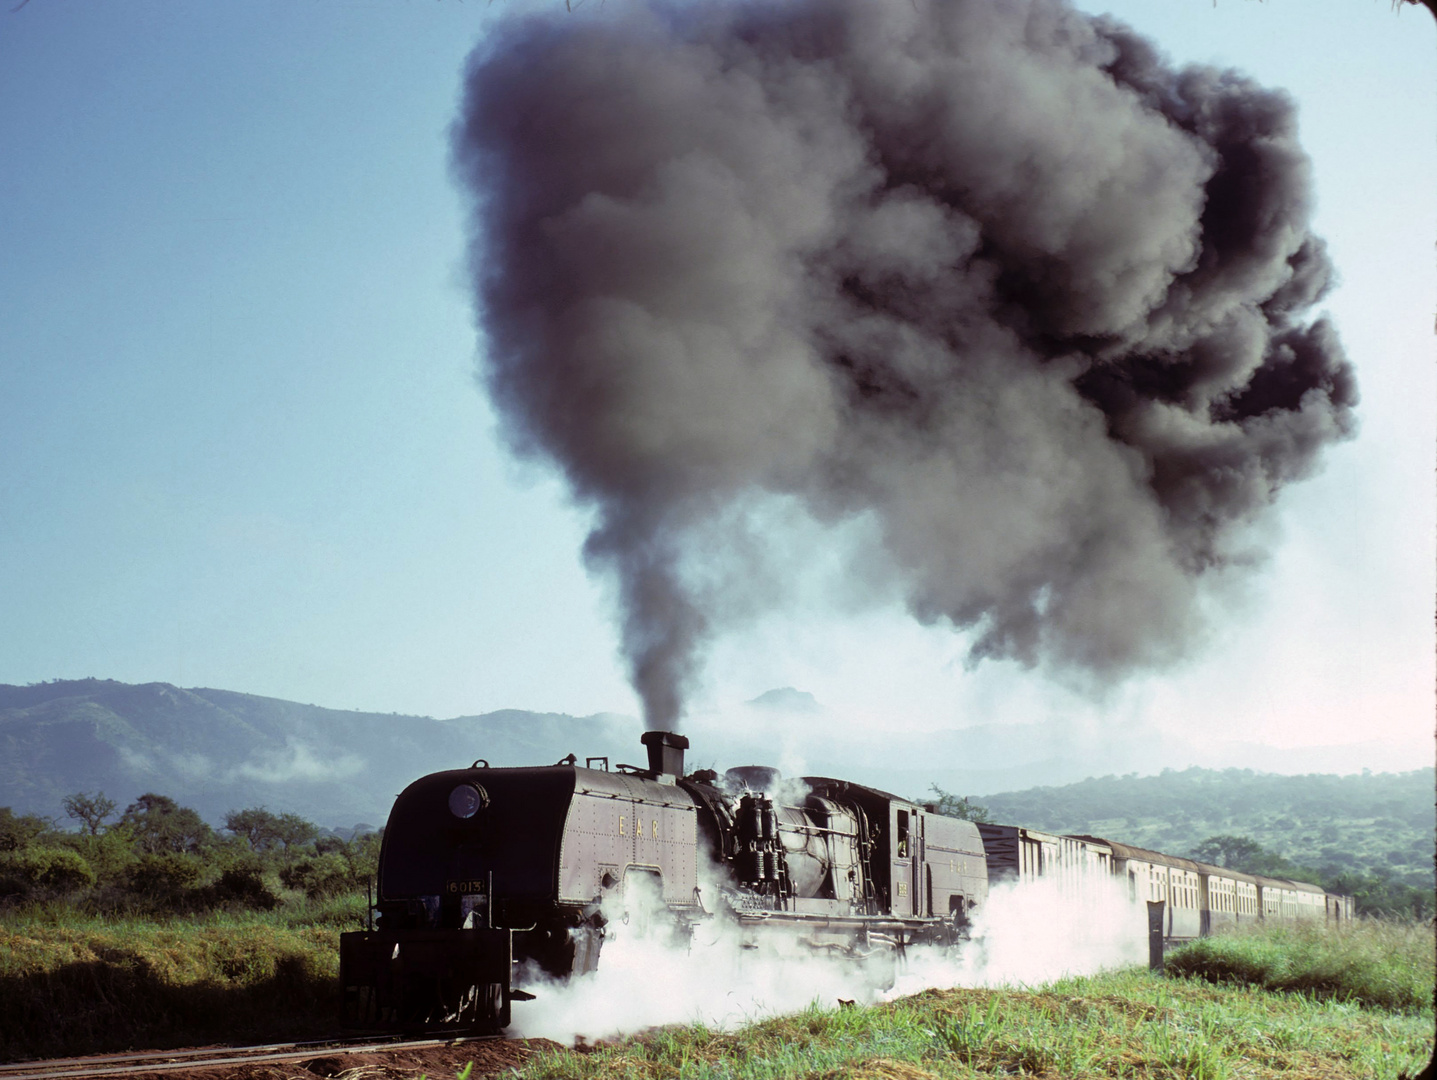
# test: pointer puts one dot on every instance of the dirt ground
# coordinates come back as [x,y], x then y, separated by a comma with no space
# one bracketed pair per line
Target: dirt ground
[436,1062]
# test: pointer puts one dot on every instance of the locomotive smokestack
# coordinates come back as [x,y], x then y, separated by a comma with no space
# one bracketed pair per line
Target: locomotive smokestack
[666,752]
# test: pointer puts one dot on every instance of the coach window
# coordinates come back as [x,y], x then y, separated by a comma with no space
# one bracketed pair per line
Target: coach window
[903,834]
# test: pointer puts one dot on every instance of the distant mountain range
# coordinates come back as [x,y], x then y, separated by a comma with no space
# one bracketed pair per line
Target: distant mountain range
[218,750]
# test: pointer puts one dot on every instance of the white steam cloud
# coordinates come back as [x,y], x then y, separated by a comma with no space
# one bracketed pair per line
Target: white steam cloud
[651,973]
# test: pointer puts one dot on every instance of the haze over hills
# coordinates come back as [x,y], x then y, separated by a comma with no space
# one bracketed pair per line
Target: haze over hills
[1381,823]
[790,727]
[219,750]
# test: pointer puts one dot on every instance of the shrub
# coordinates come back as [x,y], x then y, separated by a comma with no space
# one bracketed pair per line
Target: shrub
[47,869]
[19,831]
[320,877]
[109,854]
[14,882]
[166,879]
[245,887]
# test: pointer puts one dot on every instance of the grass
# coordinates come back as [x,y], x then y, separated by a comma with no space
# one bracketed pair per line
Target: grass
[1120,1024]
[1377,963]
[71,983]
[1284,1003]
[296,910]
[1124,1024]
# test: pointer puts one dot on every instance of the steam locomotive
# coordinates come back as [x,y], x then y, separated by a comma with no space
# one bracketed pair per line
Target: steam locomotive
[485,871]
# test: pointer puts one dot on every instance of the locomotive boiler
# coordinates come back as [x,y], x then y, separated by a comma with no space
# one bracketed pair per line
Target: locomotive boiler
[487,871]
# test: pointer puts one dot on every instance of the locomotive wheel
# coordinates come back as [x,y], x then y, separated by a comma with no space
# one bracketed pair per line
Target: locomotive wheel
[486,1008]
[426,1003]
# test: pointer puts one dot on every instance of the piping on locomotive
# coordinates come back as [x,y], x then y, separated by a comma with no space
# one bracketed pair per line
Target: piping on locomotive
[485,871]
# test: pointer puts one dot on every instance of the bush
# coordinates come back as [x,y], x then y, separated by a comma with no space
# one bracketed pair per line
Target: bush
[161,859]
[166,879]
[109,854]
[47,869]
[20,831]
[243,886]
[320,877]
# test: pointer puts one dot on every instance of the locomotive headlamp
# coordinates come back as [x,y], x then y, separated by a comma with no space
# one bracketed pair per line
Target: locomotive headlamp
[467,800]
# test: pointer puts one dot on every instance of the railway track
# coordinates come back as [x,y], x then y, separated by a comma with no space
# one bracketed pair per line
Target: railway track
[159,1061]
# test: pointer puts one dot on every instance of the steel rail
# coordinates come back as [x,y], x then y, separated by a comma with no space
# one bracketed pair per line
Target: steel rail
[20,1066]
[169,1061]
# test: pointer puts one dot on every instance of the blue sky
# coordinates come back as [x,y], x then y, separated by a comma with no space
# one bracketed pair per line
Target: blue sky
[241,444]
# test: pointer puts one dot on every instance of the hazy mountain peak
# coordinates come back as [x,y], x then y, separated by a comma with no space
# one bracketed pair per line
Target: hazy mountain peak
[787,699]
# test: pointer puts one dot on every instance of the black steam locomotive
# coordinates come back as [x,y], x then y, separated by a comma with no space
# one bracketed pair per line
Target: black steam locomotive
[487,871]
[483,870]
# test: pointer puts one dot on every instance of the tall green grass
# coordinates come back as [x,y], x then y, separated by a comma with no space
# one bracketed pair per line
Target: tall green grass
[294,910]
[1378,963]
[1363,1010]
[1123,1024]
[72,983]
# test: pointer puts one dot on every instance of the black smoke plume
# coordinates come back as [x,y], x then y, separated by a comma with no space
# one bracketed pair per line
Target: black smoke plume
[994,278]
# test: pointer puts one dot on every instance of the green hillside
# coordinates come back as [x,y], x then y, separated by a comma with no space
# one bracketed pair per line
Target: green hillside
[215,750]
[1373,825]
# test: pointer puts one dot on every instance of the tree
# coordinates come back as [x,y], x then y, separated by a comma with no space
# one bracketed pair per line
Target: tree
[258,826]
[1231,852]
[1246,855]
[159,824]
[958,806]
[1376,894]
[294,831]
[363,854]
[18,832]
[58,869]
[91,810]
